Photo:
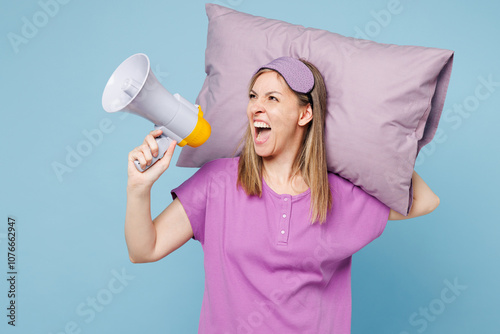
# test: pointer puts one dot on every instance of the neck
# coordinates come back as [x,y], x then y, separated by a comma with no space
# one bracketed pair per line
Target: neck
[277,170]
[279,175]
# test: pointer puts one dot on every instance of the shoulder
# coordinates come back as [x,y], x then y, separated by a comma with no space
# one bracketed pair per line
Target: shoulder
[353,198]
[343,187]
[218,167]
[217,164]
[215,173]
[222,162]
[337,181]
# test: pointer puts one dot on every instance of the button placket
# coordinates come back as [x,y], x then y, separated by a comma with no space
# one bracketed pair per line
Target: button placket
[284,224]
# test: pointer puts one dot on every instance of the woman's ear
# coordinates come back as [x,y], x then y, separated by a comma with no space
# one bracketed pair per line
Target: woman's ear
[306,115]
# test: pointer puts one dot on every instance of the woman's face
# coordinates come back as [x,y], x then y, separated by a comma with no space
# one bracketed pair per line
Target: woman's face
[277,121]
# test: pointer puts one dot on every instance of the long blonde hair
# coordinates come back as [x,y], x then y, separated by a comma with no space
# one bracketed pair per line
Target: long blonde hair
[311,159]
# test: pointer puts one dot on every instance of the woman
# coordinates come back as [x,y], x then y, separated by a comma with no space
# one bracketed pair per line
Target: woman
[278,231]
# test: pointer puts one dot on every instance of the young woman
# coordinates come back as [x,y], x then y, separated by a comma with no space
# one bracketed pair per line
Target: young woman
[277,229]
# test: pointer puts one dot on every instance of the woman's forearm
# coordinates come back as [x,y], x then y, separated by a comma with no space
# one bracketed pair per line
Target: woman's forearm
[423,194]
[424,200]
[140,233]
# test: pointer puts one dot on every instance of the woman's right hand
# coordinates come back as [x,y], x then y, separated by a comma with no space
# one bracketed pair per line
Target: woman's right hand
[144,153]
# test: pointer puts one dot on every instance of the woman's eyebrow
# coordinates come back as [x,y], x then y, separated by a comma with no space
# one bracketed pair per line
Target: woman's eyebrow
[273,92]
[268,93]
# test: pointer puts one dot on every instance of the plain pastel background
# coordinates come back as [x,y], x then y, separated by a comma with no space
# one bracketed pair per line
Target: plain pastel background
[71,245]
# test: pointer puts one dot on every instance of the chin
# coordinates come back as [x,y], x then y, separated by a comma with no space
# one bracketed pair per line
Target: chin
[261,153]
[264,154]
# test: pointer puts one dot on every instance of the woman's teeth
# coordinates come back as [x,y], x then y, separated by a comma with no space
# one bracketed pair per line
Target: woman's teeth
[261,125]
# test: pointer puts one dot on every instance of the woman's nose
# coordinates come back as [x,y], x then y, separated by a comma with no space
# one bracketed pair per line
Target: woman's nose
[257,107]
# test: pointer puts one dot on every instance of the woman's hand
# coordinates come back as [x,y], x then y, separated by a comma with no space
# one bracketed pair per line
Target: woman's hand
[144,153]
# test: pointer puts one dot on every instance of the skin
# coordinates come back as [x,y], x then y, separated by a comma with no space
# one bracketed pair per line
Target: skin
[150,240]
[270,101]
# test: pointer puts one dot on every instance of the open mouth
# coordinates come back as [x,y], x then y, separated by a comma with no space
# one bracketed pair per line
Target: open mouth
[262,131]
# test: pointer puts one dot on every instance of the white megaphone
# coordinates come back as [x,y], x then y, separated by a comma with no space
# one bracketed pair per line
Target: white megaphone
[133,88]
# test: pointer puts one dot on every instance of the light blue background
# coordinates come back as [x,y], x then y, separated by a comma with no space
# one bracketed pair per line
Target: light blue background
[70,230]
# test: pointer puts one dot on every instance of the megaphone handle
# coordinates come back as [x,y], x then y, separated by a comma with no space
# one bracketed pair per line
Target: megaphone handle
[163,144]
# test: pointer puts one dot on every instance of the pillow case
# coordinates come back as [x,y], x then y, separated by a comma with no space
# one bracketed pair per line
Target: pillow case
[384,101]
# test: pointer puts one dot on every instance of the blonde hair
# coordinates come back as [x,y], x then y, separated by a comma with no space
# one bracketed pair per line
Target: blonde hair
[311,159]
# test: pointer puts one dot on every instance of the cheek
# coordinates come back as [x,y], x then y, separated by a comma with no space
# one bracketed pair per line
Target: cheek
[286,129]
[249,110]
[249,118]
[288,120]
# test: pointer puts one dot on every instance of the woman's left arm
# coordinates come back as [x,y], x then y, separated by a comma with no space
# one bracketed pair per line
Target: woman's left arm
[424,200]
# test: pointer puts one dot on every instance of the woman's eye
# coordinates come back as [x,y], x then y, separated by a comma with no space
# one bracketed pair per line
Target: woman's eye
[273,98]
[252,96]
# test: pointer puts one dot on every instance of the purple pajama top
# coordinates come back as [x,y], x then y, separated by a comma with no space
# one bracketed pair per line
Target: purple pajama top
[267,268]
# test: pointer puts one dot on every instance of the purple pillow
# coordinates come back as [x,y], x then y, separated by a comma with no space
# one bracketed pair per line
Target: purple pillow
[384,101]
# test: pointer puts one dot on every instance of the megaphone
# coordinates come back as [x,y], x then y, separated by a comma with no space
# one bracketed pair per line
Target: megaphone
[133,88]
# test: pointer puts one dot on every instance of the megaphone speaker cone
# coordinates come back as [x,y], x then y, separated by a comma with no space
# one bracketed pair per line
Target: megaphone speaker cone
[125,83]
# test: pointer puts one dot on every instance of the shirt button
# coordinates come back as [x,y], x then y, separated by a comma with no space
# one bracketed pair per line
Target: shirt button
[284,216]
[282,231]
[285,199]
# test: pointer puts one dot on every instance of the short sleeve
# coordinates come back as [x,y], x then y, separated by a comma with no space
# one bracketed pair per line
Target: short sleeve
[204,189]
[192,194]
[362,216]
